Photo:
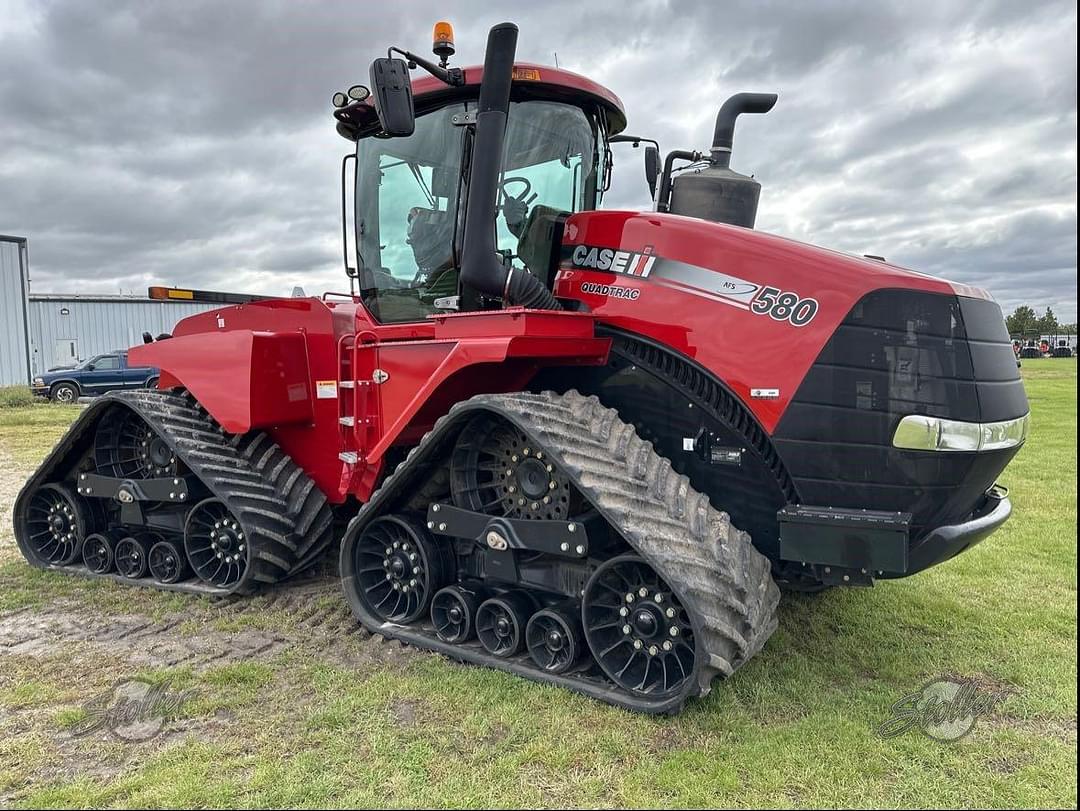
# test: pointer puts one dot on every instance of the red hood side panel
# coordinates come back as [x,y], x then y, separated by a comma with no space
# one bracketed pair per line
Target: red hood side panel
[754,308]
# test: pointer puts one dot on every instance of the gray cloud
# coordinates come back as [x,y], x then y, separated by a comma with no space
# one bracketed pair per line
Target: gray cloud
[192,142]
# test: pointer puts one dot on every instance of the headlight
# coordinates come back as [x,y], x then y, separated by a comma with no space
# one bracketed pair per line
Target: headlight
[921,433]
[39,381]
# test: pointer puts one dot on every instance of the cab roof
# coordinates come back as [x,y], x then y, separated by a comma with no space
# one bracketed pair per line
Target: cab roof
[530,81]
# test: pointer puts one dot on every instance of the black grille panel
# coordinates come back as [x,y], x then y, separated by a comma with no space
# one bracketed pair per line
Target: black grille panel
[901,352]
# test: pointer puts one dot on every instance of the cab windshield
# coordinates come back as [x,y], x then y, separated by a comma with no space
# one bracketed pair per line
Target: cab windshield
[411,194]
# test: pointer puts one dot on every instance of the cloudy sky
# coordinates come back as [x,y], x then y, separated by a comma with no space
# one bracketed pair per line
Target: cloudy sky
[191,142]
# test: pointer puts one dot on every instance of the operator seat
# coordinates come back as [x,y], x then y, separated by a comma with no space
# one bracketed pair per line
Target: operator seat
[541,242]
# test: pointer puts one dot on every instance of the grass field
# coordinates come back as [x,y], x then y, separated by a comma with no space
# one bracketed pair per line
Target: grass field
[312,716]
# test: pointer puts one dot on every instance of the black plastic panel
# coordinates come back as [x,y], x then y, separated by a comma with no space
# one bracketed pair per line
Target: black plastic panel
[902,352]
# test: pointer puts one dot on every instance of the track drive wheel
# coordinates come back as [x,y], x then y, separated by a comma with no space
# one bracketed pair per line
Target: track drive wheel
[452,612]
[55,524]
[496,469]
[637,630]
[125,446]
[399,568]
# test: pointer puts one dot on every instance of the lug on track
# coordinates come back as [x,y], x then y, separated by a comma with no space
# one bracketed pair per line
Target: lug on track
[554,552]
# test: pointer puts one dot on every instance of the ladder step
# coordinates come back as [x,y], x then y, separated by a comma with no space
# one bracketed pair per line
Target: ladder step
[347,384]
[349,457]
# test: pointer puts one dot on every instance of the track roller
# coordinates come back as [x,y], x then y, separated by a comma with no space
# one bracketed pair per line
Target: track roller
[55,523]
[554,639]
[500,623]
[636,629]
[452,612]
[132,554]
[168,563]
[99,552]
[399,568]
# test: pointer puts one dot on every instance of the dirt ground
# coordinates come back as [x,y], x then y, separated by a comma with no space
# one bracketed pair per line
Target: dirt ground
[318,619]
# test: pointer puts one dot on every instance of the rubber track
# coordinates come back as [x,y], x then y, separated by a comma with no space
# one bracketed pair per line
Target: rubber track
[285,518]
[713,568]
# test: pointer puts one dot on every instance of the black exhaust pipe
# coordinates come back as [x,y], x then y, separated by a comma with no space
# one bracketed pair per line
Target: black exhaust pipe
[716,192]
[730,110]
[481,269]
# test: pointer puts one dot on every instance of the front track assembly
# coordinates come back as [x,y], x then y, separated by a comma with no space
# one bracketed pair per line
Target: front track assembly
[562,548]
[147,489]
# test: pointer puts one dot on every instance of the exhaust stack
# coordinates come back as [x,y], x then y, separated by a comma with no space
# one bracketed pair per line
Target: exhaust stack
[481,269]
[717,193]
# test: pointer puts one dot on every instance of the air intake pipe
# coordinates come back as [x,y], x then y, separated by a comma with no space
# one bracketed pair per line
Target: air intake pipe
[481,269]
[716,192]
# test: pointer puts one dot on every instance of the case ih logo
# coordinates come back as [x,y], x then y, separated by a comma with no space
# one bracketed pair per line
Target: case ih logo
[628,262]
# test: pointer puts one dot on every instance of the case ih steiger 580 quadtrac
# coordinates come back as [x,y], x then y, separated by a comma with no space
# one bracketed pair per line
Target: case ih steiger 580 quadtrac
[531,438]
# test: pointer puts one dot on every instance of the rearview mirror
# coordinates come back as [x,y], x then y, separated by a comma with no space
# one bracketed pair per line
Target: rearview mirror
[652,167]
[393,96]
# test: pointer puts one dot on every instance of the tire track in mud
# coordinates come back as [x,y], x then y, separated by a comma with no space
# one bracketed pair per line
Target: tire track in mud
[309,613]
[309,616]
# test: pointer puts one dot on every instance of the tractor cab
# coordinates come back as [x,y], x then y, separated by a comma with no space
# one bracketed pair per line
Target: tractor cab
[412,184]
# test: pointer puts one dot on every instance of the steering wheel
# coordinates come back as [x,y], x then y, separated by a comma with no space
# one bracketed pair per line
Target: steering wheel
[521,198]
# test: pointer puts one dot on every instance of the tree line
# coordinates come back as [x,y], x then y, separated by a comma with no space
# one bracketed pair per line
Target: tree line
[1024,321]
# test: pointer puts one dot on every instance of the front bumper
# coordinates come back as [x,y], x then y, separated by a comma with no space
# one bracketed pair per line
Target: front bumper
[947,542]
[855,546]
[39,391]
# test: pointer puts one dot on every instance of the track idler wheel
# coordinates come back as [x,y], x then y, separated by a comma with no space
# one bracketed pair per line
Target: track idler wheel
[55,524]
[99,552]
[399,568]
[501,621]
[168,563]
[215,544]
[133,553]
[637,630]
[554,639]
[452,612]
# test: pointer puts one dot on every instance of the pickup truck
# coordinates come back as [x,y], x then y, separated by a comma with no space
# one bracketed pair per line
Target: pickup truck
[97,375]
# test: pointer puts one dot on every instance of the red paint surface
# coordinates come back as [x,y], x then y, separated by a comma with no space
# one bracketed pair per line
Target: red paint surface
[259,365]
[745,350]
[559,82]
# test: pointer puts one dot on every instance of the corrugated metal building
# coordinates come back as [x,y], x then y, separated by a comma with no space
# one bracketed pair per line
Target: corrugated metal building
[14,333]
[40,331]
[65,329]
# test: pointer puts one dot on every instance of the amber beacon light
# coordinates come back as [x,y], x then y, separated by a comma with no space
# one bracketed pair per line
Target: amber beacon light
[443,41]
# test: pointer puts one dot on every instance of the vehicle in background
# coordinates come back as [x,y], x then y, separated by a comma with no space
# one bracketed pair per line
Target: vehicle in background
[99,374]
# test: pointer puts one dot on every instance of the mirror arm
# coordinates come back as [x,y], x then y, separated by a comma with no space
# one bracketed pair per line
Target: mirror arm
[665,176]
[454,77]
[632,139]
[350,271]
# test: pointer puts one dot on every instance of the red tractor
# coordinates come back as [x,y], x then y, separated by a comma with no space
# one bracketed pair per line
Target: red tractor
[530,438]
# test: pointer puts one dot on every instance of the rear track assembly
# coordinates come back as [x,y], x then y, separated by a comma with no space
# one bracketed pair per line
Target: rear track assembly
[146,488]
